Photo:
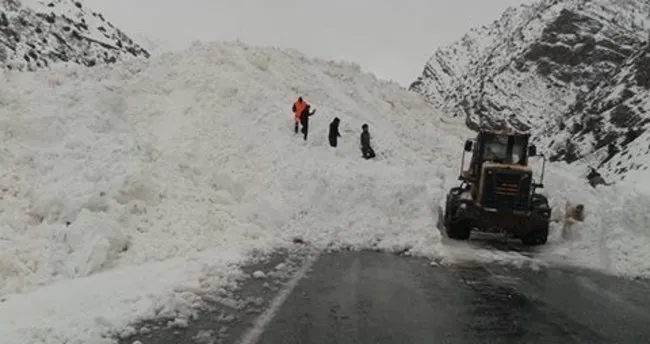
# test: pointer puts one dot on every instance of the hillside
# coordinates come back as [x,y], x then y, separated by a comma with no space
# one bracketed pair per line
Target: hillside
[608,126]
[546,66]
[129,190]
[34,34]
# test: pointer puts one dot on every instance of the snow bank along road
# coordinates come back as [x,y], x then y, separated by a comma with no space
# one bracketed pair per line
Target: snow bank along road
[369,297]
[129,191]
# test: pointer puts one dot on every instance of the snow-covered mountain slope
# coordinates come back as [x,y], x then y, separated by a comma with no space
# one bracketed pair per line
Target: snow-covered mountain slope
[36,33]
[608,127]
[128,190]
[545,66]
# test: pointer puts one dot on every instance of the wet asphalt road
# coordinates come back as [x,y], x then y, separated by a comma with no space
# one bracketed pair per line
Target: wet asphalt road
[369,297]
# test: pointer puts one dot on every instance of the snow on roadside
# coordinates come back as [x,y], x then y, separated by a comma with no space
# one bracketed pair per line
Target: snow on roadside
[115,174]
[135,186]
[615,236]
[86,310]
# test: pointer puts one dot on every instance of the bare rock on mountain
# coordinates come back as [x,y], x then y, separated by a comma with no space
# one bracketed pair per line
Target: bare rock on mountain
[573,72]
[34,34]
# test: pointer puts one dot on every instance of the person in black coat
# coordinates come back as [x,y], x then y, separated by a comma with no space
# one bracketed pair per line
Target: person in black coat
[334,131]
[304,119]
[366,150]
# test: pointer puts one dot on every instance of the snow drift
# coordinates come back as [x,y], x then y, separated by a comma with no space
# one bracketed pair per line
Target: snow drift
[127,190]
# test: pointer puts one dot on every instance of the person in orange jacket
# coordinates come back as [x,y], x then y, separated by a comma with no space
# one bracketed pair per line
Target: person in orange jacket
[297,108]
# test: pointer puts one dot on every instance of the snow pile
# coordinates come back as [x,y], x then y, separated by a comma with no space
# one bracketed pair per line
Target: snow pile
[615,236]
[130,190]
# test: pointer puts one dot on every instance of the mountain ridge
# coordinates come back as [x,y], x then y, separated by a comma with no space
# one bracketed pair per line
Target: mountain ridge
[539,66]
[35,34]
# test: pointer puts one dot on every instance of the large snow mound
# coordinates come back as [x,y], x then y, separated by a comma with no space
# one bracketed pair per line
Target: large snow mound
[127,190]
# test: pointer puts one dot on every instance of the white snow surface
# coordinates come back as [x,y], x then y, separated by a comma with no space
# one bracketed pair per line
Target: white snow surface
[128,190]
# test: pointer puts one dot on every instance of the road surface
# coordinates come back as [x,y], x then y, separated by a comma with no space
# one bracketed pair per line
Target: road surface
[370,297]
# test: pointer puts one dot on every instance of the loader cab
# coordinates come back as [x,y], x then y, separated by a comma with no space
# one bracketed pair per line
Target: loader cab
[498,147]
[497,192]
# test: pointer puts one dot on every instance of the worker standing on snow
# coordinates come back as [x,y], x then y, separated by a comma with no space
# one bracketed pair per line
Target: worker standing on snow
[334,131]
[366,150]
[595,178]
[297,108]
[304,119]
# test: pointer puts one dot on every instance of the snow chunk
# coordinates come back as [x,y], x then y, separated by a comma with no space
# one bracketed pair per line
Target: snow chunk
[259,274]
[95,241]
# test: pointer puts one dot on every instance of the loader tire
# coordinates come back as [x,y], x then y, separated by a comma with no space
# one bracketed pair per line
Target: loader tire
[456,228]
[459,229]
[538,235]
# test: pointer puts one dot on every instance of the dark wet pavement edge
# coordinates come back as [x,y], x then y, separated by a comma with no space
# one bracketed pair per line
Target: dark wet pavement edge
[224,322]
[357,297]
[224,318]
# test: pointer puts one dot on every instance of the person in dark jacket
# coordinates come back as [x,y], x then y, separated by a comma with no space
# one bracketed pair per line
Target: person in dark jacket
[304,119]
[366,150]
[334,131]
[595,178]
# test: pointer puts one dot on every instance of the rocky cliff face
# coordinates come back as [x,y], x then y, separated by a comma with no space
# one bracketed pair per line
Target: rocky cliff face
[34,34]
[573,72]
[608,126]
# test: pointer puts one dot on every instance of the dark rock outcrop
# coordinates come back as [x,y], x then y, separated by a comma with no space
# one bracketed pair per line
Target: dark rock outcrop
[576,73]
[34,37]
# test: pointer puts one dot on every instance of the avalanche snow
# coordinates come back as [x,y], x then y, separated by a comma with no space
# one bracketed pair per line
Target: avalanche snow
[128,189]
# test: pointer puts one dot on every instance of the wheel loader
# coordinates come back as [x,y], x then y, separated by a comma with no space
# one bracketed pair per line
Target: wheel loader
[497,193]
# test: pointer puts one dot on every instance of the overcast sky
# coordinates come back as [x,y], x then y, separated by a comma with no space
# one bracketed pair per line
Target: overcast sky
[391,38]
